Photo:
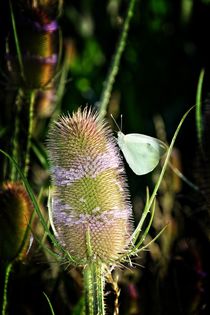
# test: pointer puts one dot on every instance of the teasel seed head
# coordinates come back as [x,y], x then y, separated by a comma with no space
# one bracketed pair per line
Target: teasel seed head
[15,213]
[90,210]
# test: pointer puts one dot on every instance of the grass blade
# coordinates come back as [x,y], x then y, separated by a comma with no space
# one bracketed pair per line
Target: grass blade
[49,303]
[148,205]
[198,112]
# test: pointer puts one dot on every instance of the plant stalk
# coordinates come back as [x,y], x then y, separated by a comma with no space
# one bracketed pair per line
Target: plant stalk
[94,288]
[30,130]
[6,281]
[106,93]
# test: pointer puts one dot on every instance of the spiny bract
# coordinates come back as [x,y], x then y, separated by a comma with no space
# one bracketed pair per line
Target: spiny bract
[90,209]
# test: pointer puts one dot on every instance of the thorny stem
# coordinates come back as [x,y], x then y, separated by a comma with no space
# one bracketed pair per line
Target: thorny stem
[106,93]
[7,274]
[30,129]
[94,288]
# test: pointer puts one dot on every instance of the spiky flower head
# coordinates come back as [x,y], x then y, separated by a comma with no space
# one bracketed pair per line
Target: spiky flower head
[15,212]
[90,209]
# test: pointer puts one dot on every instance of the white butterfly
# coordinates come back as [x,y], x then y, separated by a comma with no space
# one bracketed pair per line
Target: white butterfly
[141,152]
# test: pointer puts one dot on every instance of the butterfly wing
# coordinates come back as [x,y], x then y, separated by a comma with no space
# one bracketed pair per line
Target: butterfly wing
[141,152]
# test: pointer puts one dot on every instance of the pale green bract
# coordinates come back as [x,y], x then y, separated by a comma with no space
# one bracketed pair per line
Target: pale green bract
[141,152]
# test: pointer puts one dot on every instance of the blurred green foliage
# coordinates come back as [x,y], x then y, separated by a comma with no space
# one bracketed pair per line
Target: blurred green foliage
[161,64]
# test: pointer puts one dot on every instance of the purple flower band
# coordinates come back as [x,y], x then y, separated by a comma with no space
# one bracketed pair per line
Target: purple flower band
[50,27]
[53,59]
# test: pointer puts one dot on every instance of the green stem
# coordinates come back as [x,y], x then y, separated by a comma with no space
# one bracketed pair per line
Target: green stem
[94,288]
[30,129]
[106,93]
[6,281]
[19,54]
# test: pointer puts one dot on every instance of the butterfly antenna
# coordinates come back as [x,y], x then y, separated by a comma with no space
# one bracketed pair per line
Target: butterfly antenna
[115,122]
[121,122]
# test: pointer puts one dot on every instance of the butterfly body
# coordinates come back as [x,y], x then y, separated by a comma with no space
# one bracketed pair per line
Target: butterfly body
[141,152]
